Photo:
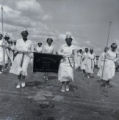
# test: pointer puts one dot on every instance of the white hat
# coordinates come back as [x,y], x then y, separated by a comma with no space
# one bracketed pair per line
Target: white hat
[6,35]
[68,35]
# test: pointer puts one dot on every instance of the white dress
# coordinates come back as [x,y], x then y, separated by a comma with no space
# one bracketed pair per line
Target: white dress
[101,60]
[84,59]
[11,54]
[39,49]
[48,49]
[3,51]
[107,68]
[90,63]
[101,64]
[78,60]
[66,67]
[20,63]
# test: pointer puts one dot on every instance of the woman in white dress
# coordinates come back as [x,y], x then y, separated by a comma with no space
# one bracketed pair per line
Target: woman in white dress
[66,68]
[49,49]
[84,59]
[39,48]
[3,54]
[101,61]
[7,51]
[90,63]
[22,59]
[36,48]
[78,59]
[108,70]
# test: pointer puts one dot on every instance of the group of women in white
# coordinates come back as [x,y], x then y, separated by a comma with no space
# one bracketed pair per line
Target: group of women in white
[20,55]
[85,61]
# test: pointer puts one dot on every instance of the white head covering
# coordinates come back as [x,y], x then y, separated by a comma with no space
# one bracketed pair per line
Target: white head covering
[68,35]
[6,35]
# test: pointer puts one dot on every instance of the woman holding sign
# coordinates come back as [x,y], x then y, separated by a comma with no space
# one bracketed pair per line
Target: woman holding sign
[48,49]
[66,73]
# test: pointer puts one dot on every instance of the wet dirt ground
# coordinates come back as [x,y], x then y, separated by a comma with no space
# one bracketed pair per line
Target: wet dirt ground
[42,100]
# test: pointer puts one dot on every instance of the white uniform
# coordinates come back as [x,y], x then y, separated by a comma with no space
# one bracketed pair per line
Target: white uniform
[101,64]
[96,61]
[39,49]
[65,72]
[11,54]
[90,63]
[3,52]
[48,49]
[107,70]
[101,60]
[78,60]
[84,59]
[16,67]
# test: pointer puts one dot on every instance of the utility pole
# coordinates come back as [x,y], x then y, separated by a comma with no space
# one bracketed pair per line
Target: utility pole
[2,25]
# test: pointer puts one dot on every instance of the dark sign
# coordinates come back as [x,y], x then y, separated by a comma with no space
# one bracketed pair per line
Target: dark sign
[46,62]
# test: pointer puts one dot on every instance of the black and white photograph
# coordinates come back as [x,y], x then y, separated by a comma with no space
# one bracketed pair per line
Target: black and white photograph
[59,59]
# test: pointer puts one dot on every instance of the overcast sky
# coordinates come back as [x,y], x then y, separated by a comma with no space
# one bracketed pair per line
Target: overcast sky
[87,20]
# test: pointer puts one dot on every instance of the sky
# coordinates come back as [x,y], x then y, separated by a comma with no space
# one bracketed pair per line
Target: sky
[86,20]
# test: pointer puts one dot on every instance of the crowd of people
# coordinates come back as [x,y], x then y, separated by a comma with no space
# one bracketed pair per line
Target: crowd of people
[16,56]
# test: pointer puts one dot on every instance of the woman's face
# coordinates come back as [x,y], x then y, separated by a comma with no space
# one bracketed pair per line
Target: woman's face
[91,51]
[106,49]
[113,49]
[39,44]
[49,42]
[68,41]
[24,36]
[7,38]
[81,51]
[86,50]
[15,43]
